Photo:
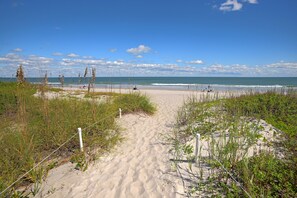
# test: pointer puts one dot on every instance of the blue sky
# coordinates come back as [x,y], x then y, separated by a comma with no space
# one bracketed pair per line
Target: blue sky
[149,37]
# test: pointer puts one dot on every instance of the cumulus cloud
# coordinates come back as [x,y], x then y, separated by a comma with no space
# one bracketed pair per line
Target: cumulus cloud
[80,62]
[28,60]
[72,55]
[17,50]
[179,61]
[285,69]
[35,66]
[231,5]
[230,70]
[196,62]
[283,65]
[141,49]
[33,59]
[235,5]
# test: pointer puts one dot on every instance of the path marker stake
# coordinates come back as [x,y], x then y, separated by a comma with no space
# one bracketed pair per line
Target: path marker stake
[80,140]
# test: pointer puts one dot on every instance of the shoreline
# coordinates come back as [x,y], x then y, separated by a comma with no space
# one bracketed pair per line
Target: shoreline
[203,89]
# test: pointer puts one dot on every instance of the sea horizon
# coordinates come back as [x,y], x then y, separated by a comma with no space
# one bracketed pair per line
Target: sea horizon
[174,83]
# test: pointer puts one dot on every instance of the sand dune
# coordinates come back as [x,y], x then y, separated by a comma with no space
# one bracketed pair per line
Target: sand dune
[139,166]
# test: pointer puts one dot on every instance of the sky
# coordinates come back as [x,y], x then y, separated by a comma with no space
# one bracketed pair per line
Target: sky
[240,38]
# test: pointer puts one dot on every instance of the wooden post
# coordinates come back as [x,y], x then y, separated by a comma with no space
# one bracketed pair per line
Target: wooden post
[120,111]
[80,140]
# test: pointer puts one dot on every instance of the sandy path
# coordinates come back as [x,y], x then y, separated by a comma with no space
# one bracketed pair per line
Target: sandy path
[139,167]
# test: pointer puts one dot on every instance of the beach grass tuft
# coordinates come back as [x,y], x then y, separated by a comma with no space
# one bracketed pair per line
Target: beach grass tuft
[134,102]
[252,137]
[32,127]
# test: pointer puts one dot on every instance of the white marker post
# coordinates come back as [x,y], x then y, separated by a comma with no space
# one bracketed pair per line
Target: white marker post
[80,140]
[197,147]
[120,110]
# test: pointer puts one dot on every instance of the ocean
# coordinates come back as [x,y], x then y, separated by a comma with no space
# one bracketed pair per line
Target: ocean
[178,83]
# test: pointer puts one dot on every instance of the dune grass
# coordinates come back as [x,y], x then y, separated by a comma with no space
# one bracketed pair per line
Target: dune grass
[272,177]
[32,127]
[134,102]
[231,129]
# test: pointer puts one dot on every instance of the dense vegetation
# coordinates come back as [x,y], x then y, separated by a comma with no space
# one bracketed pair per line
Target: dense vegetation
[278,109]
[32,127]
[232,129]
[271,176]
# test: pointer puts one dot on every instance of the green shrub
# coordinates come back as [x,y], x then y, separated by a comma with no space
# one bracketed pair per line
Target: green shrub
[266,176]
[280,110]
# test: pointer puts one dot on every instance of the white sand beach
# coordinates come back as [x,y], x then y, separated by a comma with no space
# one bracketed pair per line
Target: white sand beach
[138,167]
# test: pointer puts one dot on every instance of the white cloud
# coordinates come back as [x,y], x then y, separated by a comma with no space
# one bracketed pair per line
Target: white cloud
[81,62]
[57,54]
[127,68]
[35,66]
[179,61]
[141,49]
[38,59]
[231,5]
[11,58]
[72,55]
[17,50]
[29,60]
[235,5]
[283,65]
[139,56]
[197,62]
[230,70]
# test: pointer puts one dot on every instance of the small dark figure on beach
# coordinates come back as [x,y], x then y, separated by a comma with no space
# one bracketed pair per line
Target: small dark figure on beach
[135,88]
[208,89]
